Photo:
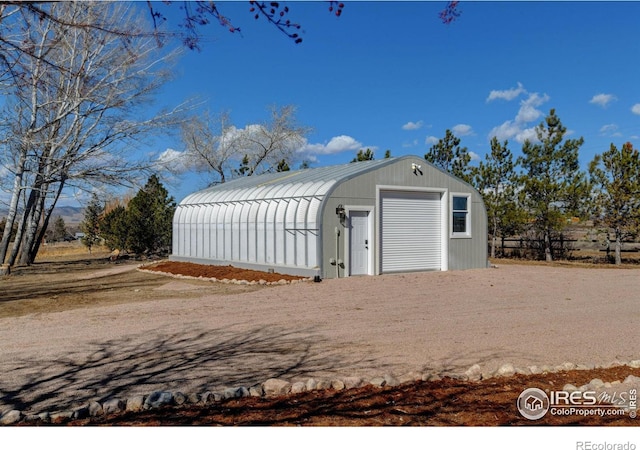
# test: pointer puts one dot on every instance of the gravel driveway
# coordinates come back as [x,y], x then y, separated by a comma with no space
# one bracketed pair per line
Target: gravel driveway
[440,322]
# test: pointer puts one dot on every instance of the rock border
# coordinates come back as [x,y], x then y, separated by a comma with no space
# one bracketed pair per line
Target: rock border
[275,387]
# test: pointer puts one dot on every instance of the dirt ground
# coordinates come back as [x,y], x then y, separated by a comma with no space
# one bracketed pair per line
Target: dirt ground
[77,330]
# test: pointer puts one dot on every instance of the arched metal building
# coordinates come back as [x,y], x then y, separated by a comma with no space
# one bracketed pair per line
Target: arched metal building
[365,218]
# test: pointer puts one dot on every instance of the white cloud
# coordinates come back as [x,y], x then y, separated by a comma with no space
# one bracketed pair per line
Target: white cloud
[413,125]
[337,144]
[173,161]
[636,108]
[519,128]
[462,130]
[602,99]
[608,129]
[431,140]
[508,94]
[528,111]
[528,134]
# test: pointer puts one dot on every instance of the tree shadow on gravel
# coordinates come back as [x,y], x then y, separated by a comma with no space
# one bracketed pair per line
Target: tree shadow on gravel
[196,361]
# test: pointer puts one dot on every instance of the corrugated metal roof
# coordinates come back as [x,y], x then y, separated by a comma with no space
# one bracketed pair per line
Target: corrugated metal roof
[296,183]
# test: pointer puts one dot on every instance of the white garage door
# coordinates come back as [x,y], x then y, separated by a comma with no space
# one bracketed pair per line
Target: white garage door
[411,231]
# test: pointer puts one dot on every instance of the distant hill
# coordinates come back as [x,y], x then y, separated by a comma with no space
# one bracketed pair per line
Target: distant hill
[72,215]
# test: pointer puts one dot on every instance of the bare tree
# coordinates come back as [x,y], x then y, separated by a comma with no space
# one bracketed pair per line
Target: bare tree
[215,145]
[212,144]
[77,109]
[277,139]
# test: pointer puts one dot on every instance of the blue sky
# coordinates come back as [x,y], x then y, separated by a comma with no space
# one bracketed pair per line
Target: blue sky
[391,75]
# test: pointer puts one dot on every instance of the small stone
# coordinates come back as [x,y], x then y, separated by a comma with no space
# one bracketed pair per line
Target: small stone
[323,384]
[523,371]
[311,384]
[135,403]
[274,387]
[179,398]
[243,392]
[506,370]
[10,417]
[113,405]
[262,282]
[631,379]
[596,383]
[474,373]
[282,282]
[569,388]
[390,380]
[567,366]
[298,387]
[635,364]
[256,391]
[378,381]
[95,409]
[434,377]
[157,399]
[233,393]
[207,398]
[45,416]
[338,385]
[535,370]
[352,382]
[193,398]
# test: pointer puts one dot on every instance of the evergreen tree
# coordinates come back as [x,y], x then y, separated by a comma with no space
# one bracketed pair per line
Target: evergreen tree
[615,177]
[59,229]
[495,179]
[150,218]
[450,157]
[387,154]
[553,187]
[243,170]
[364,155]
[90,226]
[114,228]
[282,166]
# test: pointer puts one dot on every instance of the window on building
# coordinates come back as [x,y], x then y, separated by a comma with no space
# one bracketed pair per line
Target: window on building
[460,223]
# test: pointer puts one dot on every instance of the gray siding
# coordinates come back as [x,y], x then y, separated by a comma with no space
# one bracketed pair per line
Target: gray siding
[463,253]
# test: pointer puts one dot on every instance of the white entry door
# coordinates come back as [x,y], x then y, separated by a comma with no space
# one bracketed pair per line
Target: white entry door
[359,243]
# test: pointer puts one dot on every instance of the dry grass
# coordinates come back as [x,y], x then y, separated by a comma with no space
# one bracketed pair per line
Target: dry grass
[69,250]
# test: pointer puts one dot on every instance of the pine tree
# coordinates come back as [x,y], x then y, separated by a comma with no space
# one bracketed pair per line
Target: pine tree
[114,228]
[282,166]
[553,187]
[150,218]
[450,157]
[615,177]
[59,229]
[90,226]
[364,155]
[495,179]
